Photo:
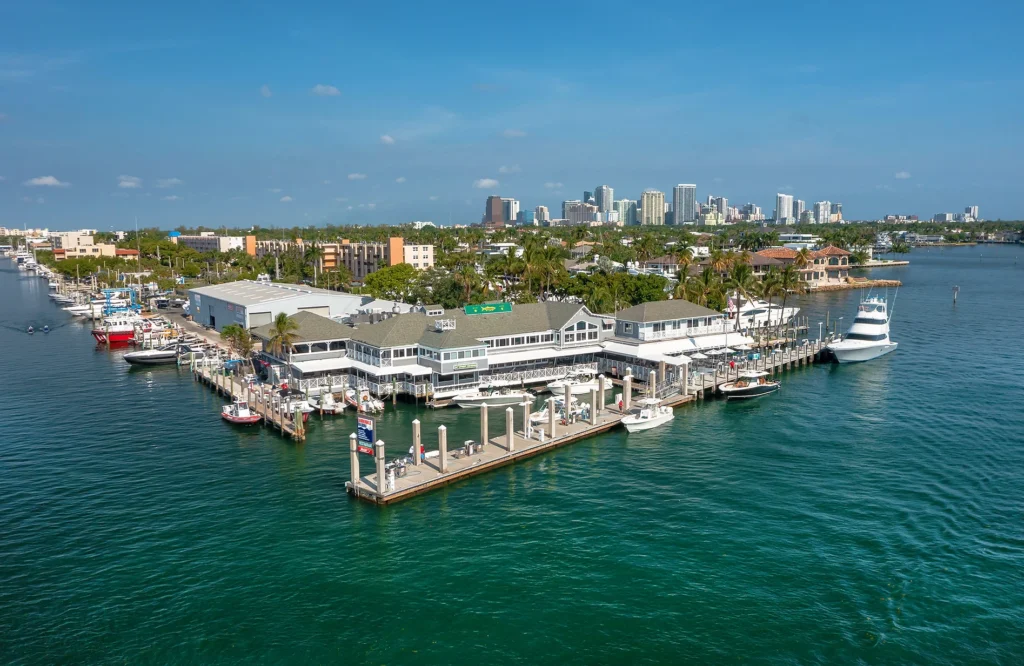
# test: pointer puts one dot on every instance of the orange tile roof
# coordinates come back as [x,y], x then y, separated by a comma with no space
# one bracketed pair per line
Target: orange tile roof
[831,251]
[778,253]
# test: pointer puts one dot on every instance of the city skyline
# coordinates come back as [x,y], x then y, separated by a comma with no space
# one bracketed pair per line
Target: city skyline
[198,116]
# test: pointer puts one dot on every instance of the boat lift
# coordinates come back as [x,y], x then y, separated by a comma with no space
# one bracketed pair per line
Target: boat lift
[133,303]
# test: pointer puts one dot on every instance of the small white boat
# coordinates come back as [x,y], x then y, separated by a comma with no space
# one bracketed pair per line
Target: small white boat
[492,397]
[363,401]
[326,403]
[581,383]
[293,399]
[239,413]
[868,337]
[751,384]
[165,355]
[651,415]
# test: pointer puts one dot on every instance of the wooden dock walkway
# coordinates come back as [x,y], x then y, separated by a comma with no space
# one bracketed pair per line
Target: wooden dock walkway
[259,399]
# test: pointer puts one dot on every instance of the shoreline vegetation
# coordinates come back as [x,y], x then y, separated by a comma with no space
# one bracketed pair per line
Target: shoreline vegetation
[534,270]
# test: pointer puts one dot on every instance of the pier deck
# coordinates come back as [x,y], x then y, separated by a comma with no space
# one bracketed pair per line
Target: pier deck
[259,400]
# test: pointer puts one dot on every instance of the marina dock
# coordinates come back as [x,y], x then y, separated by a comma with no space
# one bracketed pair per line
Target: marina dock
[441,464]
[259,399]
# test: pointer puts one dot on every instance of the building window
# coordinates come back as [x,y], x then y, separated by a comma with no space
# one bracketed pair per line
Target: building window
[548,337]
[581,326]
[517,341]
[532,340]
[447,356]
[570,337]
[462,354]
[592,335]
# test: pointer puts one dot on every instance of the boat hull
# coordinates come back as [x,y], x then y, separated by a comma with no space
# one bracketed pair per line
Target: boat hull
[750,392]
[241,420]
[646,424]
[151,359]
[113,337]
[861,354]
[491,401]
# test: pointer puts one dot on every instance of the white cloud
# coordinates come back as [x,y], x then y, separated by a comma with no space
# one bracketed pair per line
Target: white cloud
[513,133]
[325,91]
[349,208]
[169,182]
[400,179]
[327,182]
[509,169]
[129,182]
[46,181]
[485,183]
[274,190]
[173,197]
[553,186]
[901,175]
[286,199]
[265,91]
[433,197]
[357,176]
[387,139]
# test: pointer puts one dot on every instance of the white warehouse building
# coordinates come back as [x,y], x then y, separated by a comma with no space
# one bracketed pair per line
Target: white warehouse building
[254,304]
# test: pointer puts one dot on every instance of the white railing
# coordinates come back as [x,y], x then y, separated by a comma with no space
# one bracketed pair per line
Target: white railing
[693,331]
[323,382]
[538,373]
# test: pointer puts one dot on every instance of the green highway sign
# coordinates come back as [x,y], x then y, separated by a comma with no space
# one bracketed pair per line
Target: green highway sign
[488,308]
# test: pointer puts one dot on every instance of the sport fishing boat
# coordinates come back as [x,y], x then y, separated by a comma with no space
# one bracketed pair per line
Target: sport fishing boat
[868,337]
[651,415]
[118,329]
[165,355]
[363,401]
[292,400]
[580,383]
[238,412]
[750,384]
[492,397]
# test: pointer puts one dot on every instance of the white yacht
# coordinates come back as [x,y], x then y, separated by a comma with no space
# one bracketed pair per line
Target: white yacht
[651,415]
[492,397]
[581,383]
[758,314]
[868,337]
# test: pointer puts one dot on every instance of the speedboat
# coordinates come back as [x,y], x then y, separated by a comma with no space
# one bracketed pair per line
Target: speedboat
[363,401]
[78,310]
[580,383]
[492,397]
[326,403]
[651,415]
[292,400]
[750,384]
[166,354]
[579,411]
[868,337]
[239,412]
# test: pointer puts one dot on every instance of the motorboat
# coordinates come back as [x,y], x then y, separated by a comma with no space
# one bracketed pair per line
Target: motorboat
[492,397]
[868,337]
[238,412]
[326,403]
[78,310]
[650,415]
[165,355]
[756,313]
[577,411]
[292,400]
[750,384]
[363,401]
[117,329]
[580,383]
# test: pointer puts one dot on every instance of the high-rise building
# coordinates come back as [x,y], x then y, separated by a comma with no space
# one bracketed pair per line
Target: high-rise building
[684,204]
[722,204]
[626,208]
[751,213]
[783,208]
[652,208]
[799,206]
[578,212]
[837,208]
[510,209]
[494,212]
[822,212]
[806,217]
[527,218]
[971,211]
[604,197]
[587,196]
[541,214]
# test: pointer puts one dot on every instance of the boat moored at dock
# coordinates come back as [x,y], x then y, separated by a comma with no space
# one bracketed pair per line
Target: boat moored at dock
[749,384]
[650,415]
[492,397]
[868,337]
[238,412]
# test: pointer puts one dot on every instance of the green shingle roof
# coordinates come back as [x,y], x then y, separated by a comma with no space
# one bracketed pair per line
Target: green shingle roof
[664,311]
[312,328]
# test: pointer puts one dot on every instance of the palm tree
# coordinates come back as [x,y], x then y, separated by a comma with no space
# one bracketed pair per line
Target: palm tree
[719,261]
[705,288]
[770,287]
[790,281]
[468,278]
[742,281]
[684,259]
[803,257]
[240,340]
[646,247]
[599,299]
[282,334]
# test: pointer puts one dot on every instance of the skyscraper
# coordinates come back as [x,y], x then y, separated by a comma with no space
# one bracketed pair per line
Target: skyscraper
[626,208]
[652,208]
[783,208]
[684,203]
[578,212]
[971,211]
[541,214]
[494,213]
[510,209]
[798,209]
[722,204]
[822,212]
[604,197]
[587,196]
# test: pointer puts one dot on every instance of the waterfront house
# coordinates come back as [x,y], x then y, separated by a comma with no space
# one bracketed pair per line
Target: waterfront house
[829,265]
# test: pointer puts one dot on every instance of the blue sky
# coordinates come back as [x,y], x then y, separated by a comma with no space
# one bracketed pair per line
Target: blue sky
[305,113]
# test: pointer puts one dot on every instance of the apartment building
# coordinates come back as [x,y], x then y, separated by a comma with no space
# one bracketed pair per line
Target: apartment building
[208,241]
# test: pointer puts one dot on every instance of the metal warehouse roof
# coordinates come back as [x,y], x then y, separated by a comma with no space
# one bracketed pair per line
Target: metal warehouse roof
[248,292]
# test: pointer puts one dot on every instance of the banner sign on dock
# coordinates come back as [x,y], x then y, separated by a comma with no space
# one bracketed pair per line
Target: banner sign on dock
[368,450]
[366,428]
[488,308]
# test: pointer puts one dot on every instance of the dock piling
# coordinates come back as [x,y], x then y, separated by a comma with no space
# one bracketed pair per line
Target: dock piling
[484,430]
[442,447]
[568,403]
[652,381]
[627,391]
[552,413]
[600,392]
[593,406]
[416,455]
[510,429]
[380,467]
[353,455]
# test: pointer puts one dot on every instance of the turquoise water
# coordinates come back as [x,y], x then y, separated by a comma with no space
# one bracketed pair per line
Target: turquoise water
[871,513]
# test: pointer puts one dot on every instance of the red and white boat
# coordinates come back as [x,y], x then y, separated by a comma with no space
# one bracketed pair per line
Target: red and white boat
[239,412]
[118,329]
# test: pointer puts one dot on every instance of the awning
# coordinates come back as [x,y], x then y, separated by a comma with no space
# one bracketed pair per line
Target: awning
[415,369]
[538,354]
[323,365]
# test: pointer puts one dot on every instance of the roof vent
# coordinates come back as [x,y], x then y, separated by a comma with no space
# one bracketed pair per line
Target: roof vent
[444,324]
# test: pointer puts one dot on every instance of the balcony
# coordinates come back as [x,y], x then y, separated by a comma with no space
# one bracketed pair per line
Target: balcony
[691,332]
